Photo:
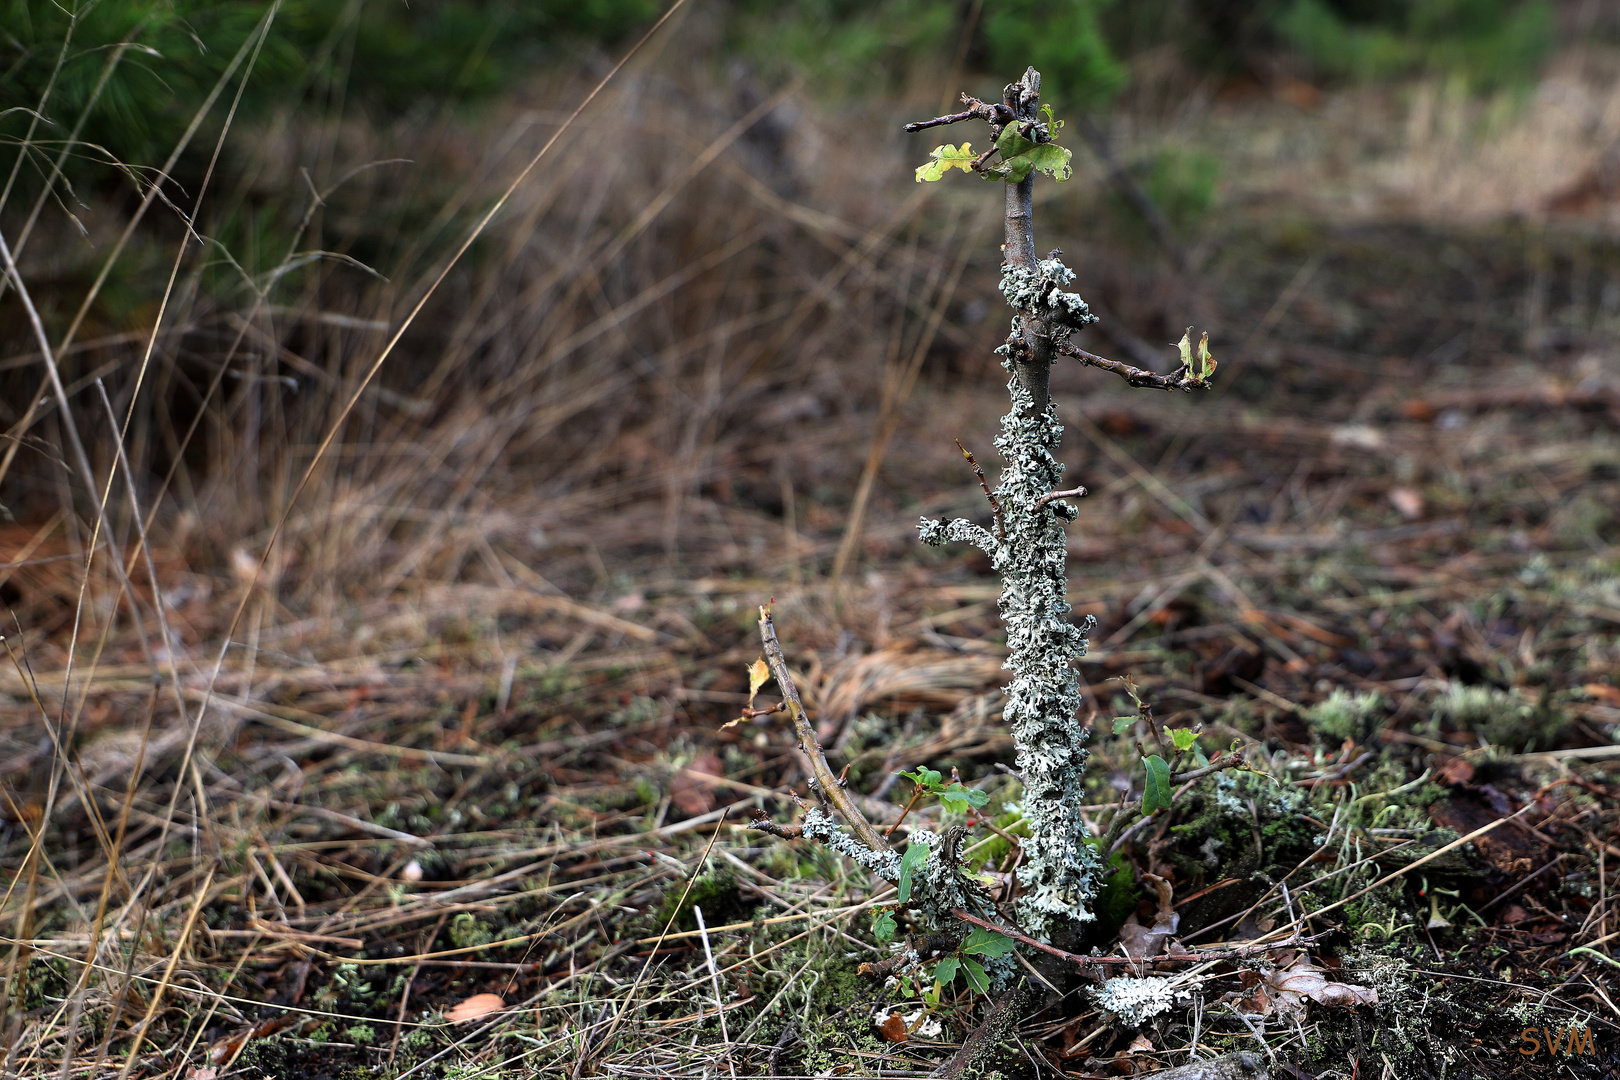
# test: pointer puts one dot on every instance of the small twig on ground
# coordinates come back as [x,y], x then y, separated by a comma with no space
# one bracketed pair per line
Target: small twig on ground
[719,1000]
[1235,952]
[826,783]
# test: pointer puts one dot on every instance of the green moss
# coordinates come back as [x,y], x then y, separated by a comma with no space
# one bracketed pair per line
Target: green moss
[466,931]
[715,892]
[1508,718]
[1345,715]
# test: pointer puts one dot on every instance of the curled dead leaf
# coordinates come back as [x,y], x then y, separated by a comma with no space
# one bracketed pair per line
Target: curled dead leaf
[475,1008]
[893,1028]
[1139,942]
[1304,980]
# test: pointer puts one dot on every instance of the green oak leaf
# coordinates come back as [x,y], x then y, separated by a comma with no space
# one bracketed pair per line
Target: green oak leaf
[883,926]
[1156,792]
[946,158]
[1012,142]
[945,970]
[1051,159]
[984,942]
[1184,738]
[961,799]
[1206,362]
[1122,724]
[976,976]
[912,861]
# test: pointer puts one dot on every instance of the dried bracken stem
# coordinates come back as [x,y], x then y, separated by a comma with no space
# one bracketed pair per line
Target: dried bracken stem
[826,782]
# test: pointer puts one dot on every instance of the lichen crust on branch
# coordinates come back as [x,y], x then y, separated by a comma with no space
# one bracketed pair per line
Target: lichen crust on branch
[1059,873]
[1040,292]
[821,827]
[938,887]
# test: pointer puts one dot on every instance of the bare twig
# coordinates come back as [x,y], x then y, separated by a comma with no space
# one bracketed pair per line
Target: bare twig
[1001,528]
[826,782]
[1234,952]
[1179,379]
[1072,493]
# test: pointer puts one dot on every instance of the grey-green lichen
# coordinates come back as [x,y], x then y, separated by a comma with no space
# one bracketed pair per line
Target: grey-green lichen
[820,827]
[1040,293]
[937,887]
[1059,872]
[1136,1001]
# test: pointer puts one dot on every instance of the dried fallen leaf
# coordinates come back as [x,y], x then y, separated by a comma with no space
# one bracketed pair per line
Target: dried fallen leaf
[1141,1045]
[693,788]
[1139,942]
[1304,980]
[1603,692]
[1408,502]
[475,1008]
[1514,915]
[893,1028]
[197,1072]
[1456,772]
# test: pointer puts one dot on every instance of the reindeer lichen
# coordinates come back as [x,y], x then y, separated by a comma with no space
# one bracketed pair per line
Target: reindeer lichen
[1136,1001]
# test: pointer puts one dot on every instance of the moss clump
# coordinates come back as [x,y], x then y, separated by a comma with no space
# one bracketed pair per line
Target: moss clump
[715,892]
[1345,715]
[1506,718]
[466,931]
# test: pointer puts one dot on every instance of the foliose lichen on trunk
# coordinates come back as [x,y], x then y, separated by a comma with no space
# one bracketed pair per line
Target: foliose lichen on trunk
[1060,870]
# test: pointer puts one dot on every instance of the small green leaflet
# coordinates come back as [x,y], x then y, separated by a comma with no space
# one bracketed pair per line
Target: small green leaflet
[976,976]
[946,158]
[1048,158]
[1122,724]
[1156,792]
[945,970]
[961,799]
[883,926]
[1184,738]
[924,778]
[1019,158]
[984,942]
[910,863]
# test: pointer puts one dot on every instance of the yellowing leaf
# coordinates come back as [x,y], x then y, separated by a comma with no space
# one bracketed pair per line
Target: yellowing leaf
[757,675]
[1206,362]
[946,158]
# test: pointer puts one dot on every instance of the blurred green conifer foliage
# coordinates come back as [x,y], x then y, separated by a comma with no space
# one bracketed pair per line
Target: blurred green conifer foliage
[1490,43]
[382,55]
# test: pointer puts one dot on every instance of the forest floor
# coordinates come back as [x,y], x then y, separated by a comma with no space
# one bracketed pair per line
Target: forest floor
[467,829]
